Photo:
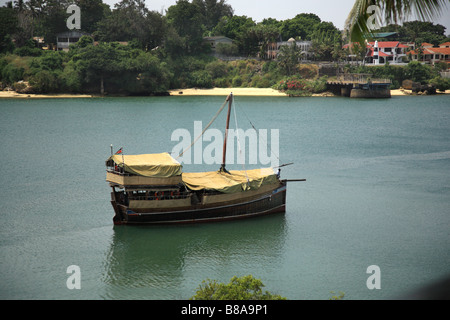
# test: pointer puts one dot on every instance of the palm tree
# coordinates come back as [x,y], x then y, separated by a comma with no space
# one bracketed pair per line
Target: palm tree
[394,11]
[289,56]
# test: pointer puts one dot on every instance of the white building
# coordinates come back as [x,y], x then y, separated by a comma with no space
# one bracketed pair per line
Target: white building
[274,48]
[65,39]
[380,52]
[385,51]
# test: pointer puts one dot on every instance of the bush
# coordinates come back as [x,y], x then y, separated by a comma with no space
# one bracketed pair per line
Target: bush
[440,83]
[308,71]
[269,66]
[28,52]
[44,82]
[19,86]
[221,83]
[237,81]
[217,69]
[70,80]
[243,288]
[51,60]
[298,87]
[11,74]
[441,66]
[201,79]
[261,83]
[318,85]
[418,72]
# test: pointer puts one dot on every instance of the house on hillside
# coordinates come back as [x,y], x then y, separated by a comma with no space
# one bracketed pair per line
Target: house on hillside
[65,39]
[214,41]
[381,52]
[122,43]
[273,48]
[430,54]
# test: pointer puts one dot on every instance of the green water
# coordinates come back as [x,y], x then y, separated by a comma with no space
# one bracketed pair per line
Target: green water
[377,193]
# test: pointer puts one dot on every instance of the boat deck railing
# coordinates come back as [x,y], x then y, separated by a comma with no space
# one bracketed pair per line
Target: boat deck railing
[160,196]
[119,171]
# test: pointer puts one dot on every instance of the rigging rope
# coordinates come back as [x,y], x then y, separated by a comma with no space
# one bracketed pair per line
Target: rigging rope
[201,134]
[239,143]
[271,151]
[237,131]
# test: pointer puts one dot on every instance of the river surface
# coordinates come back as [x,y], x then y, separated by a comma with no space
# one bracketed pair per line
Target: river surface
[377,193]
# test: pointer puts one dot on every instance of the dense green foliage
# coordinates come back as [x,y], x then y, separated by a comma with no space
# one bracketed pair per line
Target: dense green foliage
[166,52]
[418,32]
[299,87]
[243,288]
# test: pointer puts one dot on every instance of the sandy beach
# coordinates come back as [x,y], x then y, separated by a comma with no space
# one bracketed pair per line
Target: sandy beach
[227,91]
[404,92]
[196,92]
[13,94]
[260,92]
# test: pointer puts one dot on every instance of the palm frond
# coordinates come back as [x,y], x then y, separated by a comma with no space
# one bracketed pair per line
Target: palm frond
[394,11]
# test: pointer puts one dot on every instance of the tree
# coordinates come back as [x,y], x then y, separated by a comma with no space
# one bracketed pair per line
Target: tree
[425,31]
[394,11]
[288,58]
[326,42]
[132,20]
[417,31]
[301,26]
[53,19]
[92,11]
[440,83]
[237,28]
[98,63]
[243,288]
[186,19]
[11,73]
[8,26]
[25,25]
[212,11]
[45,71]
[418,72]
[115,68]
[44,81]
[50,61]
[264,34]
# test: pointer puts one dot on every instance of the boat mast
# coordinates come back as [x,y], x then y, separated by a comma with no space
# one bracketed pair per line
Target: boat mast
[224,153]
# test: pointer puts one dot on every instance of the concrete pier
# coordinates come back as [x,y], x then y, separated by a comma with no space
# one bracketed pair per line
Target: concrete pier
[379,93]
[360,86]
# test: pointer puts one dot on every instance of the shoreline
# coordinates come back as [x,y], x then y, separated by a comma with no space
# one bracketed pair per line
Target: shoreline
[255,92]
[226,91]
[268,92]
[13,94]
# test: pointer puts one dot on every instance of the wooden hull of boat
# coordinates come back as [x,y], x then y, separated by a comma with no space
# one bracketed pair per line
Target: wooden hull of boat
[273,202]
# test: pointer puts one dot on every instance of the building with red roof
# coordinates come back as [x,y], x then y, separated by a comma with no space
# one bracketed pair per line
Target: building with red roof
[380,52]
[429,54]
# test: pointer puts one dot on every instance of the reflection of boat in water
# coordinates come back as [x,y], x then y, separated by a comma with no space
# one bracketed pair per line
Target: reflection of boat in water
[157,265]
[152,189]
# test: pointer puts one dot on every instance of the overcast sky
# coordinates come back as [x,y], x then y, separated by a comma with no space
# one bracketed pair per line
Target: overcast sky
[335,11]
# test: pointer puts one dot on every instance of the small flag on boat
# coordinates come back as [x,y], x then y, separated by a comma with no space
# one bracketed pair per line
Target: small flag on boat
[119,151]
